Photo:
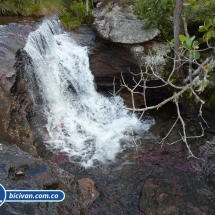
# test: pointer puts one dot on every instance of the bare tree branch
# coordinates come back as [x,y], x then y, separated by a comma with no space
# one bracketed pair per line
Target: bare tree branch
[195,83]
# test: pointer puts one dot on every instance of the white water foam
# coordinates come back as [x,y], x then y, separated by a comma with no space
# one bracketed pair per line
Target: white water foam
[80,121]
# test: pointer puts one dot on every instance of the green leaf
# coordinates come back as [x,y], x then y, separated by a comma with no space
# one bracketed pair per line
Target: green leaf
[196,55]
[210,34]
[182,38]
[195,44]
[172,42]
[202,28]
[185,46]
[208,23]
[204,37]
[188,42]
[187,54]
[193,54]
[192,38]
[194,9]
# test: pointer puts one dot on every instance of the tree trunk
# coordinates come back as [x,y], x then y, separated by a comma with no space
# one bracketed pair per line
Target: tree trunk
[87,6]
[178,29]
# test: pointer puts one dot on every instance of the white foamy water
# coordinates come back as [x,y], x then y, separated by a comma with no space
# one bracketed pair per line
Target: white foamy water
[86,125]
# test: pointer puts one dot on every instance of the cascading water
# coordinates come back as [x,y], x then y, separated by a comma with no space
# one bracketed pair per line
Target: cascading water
[79,121]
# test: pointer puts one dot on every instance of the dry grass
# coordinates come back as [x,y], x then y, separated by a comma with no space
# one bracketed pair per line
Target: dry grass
[31,8]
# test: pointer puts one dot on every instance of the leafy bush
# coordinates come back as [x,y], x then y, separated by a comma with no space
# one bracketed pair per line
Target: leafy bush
[71,14]
[159,14]
[76,14]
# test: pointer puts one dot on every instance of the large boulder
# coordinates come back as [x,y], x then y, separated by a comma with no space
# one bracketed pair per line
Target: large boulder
[120,25]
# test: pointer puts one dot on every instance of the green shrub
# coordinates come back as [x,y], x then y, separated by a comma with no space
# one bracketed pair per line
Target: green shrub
[69,21]
[71,14]
[124,2]
[76,15]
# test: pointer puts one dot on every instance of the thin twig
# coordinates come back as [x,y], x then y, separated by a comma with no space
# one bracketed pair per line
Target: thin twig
[162,141]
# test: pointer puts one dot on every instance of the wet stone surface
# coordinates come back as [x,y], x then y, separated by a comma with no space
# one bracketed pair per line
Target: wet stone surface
[15,127]
[21,171]
[12,38]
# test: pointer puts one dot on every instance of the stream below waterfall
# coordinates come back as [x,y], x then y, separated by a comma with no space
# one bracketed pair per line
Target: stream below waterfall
[86,134]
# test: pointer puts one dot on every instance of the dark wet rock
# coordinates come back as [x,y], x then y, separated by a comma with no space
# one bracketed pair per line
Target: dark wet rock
[20,171]
[46,181]
[158,189]
[13,37]
[151,196]
[25,111]
[209,167]
[6,106]
[66,178]
[84,36]
[87,190]
[108,62]
[120,25]
[15,127]
[84,211]
[170,192]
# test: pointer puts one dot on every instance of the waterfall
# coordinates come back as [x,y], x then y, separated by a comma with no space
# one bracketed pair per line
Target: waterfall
[79,121]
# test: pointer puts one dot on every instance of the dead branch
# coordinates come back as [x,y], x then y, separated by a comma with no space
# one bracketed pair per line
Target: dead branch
[195,82]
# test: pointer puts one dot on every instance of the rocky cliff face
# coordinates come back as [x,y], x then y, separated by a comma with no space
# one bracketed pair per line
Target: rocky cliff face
[15,127]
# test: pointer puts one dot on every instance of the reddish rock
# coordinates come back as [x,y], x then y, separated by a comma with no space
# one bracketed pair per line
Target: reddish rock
[172,156]
[87,190]
[59,159]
